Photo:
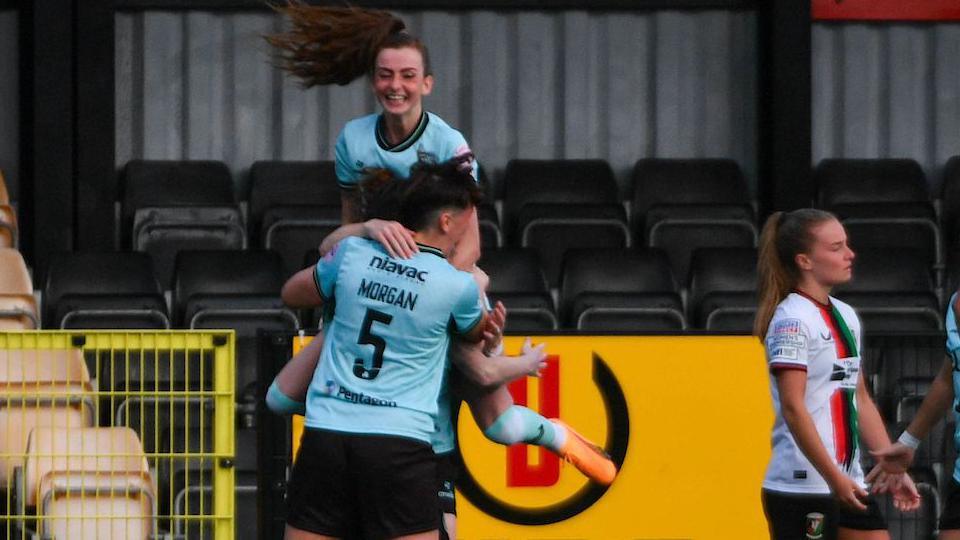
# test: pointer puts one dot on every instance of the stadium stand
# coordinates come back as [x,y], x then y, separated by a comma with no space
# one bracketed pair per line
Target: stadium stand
[293,206]
[103,290]
[893,291]
[556,205]
[517,280]
[18,306]
[172,205]
[88,483]
[722,294]
[680,205]
[619,290]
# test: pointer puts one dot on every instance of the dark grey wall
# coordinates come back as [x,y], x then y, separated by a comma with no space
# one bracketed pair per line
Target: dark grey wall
[890,90]
[9,101]
[618,86]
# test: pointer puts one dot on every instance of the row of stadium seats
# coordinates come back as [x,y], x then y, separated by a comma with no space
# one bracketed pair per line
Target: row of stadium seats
[147,474]
[611,289]
[548,205]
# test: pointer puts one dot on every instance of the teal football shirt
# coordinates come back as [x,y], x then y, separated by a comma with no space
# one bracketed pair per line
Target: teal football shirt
[361,146]
[385,349]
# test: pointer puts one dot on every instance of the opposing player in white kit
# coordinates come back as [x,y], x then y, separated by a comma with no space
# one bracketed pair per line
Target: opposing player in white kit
[942,395]
[822,406]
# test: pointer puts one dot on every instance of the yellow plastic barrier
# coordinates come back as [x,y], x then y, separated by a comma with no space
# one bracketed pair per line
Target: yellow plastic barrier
[117,433]
[688,418]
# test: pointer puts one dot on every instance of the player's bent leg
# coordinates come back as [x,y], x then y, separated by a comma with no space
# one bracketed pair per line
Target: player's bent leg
[505,423]
[293,533]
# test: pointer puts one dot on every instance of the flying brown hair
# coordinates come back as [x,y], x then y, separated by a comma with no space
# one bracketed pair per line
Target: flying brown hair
[336,45]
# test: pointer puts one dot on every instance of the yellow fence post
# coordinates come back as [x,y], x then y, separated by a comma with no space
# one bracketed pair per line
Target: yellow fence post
[224,434]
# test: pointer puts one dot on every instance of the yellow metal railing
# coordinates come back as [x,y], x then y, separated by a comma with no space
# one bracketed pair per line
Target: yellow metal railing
[117,434]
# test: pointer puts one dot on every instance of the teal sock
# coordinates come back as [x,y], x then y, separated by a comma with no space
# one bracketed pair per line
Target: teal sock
[521,425]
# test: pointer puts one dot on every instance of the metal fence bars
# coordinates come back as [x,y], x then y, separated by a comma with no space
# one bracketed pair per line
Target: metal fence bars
[117,435]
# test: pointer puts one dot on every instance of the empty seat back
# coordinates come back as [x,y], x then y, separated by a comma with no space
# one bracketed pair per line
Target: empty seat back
[621,280]
[16,289]
[89,483]
[226,273]
[583,181]
[675,182]
[282,184]
[868,181]
[722,279]
[117,283]
[39,388]
[173,183]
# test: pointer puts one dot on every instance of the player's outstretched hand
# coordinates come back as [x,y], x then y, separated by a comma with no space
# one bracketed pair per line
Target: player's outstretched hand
[848,493]
[894,459]
[395,238]
[535,356]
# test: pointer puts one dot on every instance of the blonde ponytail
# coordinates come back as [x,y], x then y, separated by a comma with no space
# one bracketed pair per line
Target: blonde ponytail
[773,283]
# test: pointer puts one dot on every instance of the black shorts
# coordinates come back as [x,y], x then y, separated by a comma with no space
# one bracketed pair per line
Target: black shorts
[787,515]
[950,518]
[374,486]
[447,477]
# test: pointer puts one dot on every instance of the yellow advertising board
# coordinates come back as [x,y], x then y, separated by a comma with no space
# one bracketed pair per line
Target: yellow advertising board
[687,418]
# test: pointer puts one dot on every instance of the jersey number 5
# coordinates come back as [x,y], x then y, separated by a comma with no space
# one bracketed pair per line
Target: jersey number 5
[379,345]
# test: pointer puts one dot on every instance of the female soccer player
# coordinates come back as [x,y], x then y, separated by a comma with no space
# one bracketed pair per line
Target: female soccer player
[491,404]
[336,45]
[943,393]
[821,404]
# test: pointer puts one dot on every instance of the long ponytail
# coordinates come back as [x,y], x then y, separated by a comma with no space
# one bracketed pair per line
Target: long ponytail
[784,235]
[332,45]
[337,45]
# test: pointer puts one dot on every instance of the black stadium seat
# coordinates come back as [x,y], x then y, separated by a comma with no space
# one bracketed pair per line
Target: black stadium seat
[687,188]
[517,281]
[172,205]
[883,203]
[293,206]
[103,290]
[573,181]
[892,291]
[857,187]
[723,289]
[232,289]
[556,205]
[619,290]
[680,205]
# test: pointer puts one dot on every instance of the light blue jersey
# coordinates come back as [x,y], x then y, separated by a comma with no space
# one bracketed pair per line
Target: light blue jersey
[385,350]
[361,146]
[953,349]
